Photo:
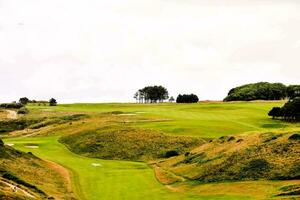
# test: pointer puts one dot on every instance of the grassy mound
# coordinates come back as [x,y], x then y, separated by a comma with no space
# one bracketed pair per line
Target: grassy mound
[121,142]
[266,156]
[33,177]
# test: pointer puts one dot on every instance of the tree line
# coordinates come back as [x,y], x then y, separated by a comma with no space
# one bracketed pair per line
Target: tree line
[289,112]
[24,101]
[155,94]
[263,91]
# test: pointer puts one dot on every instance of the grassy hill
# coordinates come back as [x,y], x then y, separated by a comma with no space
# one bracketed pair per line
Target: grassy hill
[128,143]
[32,177]
[260,156]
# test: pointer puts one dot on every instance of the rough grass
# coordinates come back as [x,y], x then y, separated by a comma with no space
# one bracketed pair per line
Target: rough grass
[128,143]
[32,174]
[262,156]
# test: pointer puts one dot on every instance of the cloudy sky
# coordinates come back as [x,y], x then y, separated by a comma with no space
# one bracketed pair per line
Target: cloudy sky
[103,51]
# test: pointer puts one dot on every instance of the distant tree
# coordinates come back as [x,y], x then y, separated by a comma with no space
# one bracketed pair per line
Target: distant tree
[52,102]
[11,105]
[24,100]
[187,98]
[275,112]
[171,99]
[290,111]
[136,96]
[152,94]
[257,91]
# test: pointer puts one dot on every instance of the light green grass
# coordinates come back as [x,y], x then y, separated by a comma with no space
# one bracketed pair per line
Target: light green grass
[203,119]
[113,180]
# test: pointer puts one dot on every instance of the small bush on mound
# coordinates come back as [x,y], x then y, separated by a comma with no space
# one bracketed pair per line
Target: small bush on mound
[295,136]
[23,110]
[170,154]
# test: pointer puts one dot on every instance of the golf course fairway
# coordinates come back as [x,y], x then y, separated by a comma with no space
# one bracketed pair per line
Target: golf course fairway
[104,179]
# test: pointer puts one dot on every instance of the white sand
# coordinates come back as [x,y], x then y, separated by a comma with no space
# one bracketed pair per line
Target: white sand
[32,147]
[96,165]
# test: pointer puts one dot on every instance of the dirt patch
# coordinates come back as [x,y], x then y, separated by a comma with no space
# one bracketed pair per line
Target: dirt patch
[64,173]
[11,114]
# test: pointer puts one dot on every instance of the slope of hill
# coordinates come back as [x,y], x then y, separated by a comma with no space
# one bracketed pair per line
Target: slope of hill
[260,156]
[128,143]
[24,176]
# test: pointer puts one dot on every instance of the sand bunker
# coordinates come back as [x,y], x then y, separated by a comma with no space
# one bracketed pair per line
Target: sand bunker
[32,147]
[96,165]
[127,114]
[10,145]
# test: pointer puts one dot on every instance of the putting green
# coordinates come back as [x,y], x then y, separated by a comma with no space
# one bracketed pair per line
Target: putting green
[104,179]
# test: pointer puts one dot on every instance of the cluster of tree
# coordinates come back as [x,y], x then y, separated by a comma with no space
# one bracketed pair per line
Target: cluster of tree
[11,105]
[263,91]
[187,98]
[25,101]
[151,94]
[289,112]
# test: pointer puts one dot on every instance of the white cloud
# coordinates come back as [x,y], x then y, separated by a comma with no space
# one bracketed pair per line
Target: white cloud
[100,50]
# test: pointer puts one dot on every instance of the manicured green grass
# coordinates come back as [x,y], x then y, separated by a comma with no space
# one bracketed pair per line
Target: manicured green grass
[208,119]
[112,180]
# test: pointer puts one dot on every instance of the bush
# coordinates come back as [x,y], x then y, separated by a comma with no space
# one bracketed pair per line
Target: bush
[187,98]
[170,154]
[295,137]
[1,143]
[23,110]
[255,168]
[11,105]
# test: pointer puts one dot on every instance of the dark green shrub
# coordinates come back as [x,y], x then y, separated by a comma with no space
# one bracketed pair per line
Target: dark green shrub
[11,105]
[255,168]
[170,154]
[230,139]
[295,136]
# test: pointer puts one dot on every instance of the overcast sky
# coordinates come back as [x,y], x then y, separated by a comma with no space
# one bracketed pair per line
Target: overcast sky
[104,50]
